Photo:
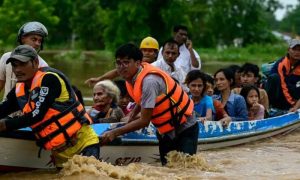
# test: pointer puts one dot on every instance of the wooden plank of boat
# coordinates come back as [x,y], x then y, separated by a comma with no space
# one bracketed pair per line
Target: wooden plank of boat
[18,149]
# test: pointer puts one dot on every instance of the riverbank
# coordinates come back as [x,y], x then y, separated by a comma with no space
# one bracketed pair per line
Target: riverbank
[256,53]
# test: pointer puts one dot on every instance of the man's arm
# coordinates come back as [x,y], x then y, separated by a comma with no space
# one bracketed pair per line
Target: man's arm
[2,84]
[131,126]
[194,60]
[3,70]
[10,105]
[109,75]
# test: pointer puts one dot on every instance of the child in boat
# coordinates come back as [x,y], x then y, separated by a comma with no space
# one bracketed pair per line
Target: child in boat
[251,94]
[203,104]
[125,101]
[105,109]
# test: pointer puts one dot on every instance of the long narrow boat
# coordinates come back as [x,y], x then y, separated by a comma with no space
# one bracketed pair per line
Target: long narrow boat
[18,150]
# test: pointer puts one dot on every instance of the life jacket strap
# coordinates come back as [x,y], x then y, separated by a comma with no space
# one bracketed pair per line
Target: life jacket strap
[72,108]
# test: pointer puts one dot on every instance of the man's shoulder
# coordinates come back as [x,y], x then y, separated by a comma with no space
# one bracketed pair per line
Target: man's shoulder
[5,56]
[157,63]
[236,90]
[42,62]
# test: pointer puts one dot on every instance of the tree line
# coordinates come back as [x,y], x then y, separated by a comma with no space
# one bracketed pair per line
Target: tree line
[105,24]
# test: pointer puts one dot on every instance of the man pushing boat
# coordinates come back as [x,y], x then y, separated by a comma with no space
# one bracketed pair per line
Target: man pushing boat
[160,100]
[50,107]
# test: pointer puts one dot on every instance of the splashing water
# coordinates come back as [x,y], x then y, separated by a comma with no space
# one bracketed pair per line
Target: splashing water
[180,160]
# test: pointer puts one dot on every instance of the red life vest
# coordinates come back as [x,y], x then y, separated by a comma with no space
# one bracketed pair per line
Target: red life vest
[62,120]
[171,108]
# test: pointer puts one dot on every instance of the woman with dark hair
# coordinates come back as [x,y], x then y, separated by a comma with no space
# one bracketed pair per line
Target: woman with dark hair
[203,104]
[233,104]
[251,95]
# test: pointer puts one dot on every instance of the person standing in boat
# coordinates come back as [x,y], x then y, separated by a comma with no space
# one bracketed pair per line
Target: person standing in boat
[32,34]
[160,100]
[50,107]
[149,47]
[170,53]
[188,58]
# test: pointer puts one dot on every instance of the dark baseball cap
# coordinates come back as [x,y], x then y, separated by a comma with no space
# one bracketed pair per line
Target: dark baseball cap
[23,53]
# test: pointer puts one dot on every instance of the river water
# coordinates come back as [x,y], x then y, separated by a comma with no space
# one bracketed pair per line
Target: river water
[272,158]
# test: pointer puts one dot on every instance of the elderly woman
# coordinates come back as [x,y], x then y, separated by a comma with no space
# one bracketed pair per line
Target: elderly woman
[105,109]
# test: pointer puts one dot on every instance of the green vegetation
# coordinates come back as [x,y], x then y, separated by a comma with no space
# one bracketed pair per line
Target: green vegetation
[106,24]
[256,53]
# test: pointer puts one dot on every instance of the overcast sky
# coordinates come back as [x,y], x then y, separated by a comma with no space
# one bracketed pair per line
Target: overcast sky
[280,13]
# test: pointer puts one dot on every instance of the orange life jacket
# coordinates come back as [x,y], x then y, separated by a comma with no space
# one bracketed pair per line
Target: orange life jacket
[62,120]
[171,108]
[290,80]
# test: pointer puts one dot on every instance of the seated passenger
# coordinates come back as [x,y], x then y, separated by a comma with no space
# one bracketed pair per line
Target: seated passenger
[234,104]
[250,93]
[125,100]
[237,75]
[210,89]
[250,76]
[105,109]
[203,104]
[283,85]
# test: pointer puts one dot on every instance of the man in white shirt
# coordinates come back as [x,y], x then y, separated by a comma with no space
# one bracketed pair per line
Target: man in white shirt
[31,33]
[170,52]
[188,58]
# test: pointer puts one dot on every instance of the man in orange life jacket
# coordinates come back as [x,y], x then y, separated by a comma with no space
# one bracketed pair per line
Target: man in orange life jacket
[160,100]
[50,107]
[283,85]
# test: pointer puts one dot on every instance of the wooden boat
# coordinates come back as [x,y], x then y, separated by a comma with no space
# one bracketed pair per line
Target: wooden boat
[18,150]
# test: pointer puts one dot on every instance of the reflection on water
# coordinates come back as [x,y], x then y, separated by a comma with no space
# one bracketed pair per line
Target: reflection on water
[277,157]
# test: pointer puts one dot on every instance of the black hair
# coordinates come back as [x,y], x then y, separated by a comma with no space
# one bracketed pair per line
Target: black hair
[245,91]
[176,28]
[248,67]
[210,79]
[130,51]
[234,68]
[122,86]
[195,74]
[228,73]
[170,42]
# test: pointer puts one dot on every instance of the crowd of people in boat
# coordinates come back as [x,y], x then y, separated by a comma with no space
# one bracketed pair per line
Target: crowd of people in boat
[164,86]
[233,93]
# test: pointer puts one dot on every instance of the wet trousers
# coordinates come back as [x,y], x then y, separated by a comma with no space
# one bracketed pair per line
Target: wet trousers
[185,142]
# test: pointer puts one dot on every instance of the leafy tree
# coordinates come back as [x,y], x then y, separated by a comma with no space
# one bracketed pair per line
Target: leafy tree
[230,19]
[62,31]
[14,13]
[291,22]
[133,20]
[88,22]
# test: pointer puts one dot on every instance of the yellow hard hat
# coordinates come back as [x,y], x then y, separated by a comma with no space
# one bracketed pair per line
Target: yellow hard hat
[150,43]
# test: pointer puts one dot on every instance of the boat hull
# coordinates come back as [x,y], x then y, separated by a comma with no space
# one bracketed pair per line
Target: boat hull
[19,152]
